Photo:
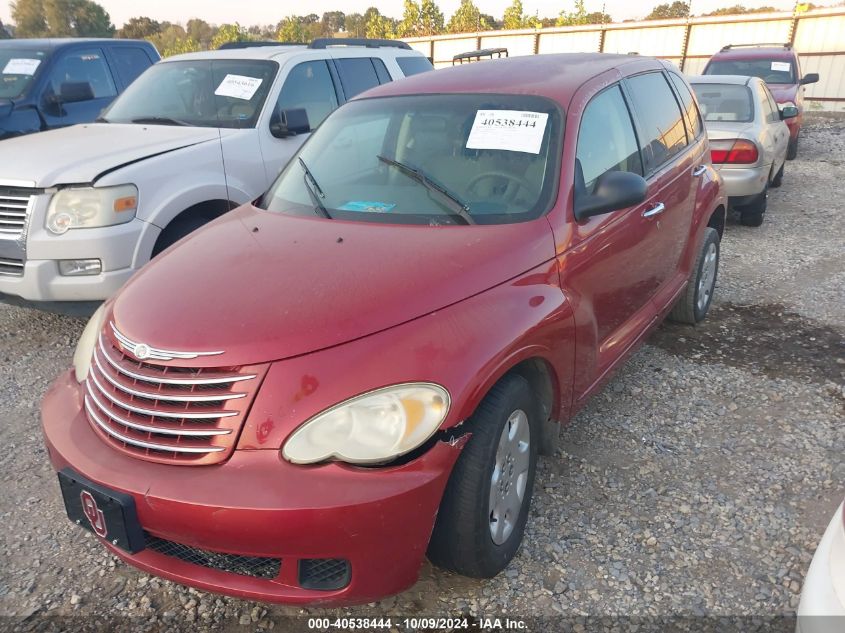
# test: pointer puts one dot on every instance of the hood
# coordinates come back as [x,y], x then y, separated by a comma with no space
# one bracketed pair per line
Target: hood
[784,92]
[81,153]
[265,286]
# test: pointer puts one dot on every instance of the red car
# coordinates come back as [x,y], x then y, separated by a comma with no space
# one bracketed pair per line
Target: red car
[779,67]
[299,401]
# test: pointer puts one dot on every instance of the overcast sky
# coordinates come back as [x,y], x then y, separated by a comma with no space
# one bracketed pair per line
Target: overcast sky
[263,12]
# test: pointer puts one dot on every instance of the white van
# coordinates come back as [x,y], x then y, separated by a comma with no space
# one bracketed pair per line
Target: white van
[84,207]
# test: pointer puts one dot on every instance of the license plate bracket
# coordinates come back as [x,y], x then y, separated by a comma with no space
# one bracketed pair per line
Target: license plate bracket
[109,514]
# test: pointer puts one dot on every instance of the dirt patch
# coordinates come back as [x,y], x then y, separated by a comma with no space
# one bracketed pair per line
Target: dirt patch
[767,339]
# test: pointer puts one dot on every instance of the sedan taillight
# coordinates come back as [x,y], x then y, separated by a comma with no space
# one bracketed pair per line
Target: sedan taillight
[734,152]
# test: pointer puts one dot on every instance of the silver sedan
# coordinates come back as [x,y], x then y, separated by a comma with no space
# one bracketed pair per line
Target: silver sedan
[748,138]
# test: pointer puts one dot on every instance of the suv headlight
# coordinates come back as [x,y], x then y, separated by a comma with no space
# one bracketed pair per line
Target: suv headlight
[374,427]
[86,207]
[85,347]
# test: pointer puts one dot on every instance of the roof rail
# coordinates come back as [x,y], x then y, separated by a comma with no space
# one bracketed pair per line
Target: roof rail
[255,43]
[325,42]
[728,47]
[477,55]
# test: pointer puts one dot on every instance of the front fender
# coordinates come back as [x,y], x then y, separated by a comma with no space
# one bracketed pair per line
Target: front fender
[465,347]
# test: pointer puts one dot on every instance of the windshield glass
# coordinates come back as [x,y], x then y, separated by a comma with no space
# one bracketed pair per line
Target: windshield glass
[772,71]
[17,68]
[724,102]
[221,93]
[427,159]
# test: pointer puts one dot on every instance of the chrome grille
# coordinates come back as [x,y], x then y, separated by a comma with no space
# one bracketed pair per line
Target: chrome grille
[9,266]
[13,206]
[167,414]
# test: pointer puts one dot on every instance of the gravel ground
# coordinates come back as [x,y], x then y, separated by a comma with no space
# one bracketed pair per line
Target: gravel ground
[698,483]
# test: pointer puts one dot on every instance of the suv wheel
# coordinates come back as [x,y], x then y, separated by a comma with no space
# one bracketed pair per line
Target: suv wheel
[485,505]
[176,230]
[694,304]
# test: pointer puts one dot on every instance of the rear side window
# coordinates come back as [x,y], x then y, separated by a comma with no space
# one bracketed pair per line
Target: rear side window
[81,67]
[606,141]
[309,86]
[381,70]
[773,106]
[662,124]
[414,65]
[130,61]
[357,74]
[694,124]
[725,102]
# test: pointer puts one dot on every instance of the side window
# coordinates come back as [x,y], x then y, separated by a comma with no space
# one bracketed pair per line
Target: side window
[357,74]
[414,65]
[131,62]
[773,106]
[309,85]
[694,124]
[662,122]
[75,70]
[606,140]
[381,70]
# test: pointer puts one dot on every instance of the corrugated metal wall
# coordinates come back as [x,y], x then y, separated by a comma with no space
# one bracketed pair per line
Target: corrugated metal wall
[818,36]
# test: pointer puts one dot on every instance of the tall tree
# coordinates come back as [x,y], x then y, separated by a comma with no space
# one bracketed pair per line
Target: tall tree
[380,26]
[578,16]
[355,25]
[201,32]
[467,18]
[410,23]
[514,17]
[173,40]
[738,9]
[291,30]
[677,9]
[139,28]
[431,18]
[229,33]
[61,18]
[332,22]
[597,17]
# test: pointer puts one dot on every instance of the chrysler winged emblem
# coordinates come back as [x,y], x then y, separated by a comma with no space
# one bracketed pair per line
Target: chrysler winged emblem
[142,351]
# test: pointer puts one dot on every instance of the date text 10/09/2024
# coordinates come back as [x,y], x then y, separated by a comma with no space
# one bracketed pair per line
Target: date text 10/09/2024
[417,624]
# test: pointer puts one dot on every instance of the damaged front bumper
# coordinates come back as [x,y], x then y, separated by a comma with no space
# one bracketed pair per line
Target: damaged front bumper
[212,527]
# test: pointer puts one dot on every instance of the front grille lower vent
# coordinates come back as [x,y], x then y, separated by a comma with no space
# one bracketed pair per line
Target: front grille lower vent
[232,563]
[324,574]
[11,267]
[167,414]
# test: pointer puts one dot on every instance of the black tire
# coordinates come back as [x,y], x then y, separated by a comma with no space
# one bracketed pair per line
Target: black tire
[176,230]
[751,214]
[777,181]
[462,540]
[688,309]
[792,149]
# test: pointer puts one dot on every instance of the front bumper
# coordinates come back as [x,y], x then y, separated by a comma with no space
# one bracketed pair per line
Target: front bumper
[744,181]
[258,505]
[822,606]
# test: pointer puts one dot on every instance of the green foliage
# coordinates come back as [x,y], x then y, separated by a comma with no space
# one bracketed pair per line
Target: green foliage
[514,17]
[597,17]
[467,19]
[291,29]
[738,9]
[355,25]
[331,23]
[578,16]
[139,28]
[201,32]
[380,26]
[60,18]
[677,9]
[420,19]
[229,33]
[173,40]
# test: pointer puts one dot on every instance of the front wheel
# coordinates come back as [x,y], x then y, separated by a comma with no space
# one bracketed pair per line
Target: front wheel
[485,505]
[694,304]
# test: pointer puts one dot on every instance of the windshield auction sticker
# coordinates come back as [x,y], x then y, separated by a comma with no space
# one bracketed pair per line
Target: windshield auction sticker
[238,87]
[21,66]
[781,66]
[509,130]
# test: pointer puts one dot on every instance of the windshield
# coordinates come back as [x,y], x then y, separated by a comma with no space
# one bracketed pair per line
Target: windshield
[772,71]
[724,102]
[17,68]
[427,159]
[205,93]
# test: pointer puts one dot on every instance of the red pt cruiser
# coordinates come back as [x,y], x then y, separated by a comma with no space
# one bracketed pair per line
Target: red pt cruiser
[300,401]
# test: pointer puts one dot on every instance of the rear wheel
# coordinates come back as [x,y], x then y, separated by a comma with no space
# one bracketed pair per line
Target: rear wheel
[694,304]
[485,505]
[777,181]
[751,214]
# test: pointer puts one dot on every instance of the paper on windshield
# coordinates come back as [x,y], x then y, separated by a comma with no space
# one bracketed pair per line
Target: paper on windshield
[21,66]
[238,87]
[509,130]
[781,66]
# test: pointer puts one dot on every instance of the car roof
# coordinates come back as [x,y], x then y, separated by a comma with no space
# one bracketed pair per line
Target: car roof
[284,50]
[57,42]
[553,76]
[755,52]
[739,80]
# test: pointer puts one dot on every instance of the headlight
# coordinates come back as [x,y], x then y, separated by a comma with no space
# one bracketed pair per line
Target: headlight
[85,207]
[85,346]
[374,427]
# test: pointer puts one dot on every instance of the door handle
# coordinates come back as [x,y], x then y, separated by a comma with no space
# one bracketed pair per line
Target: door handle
[655,210]
[699,170]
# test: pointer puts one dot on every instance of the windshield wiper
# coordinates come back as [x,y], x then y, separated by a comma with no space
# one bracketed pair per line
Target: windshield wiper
[460,208]
[314,190]
[159,120]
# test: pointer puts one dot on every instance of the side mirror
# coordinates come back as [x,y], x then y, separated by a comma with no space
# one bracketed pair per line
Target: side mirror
[75,91]
[788,112]
[614,190]
[290,123]
[809,78]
